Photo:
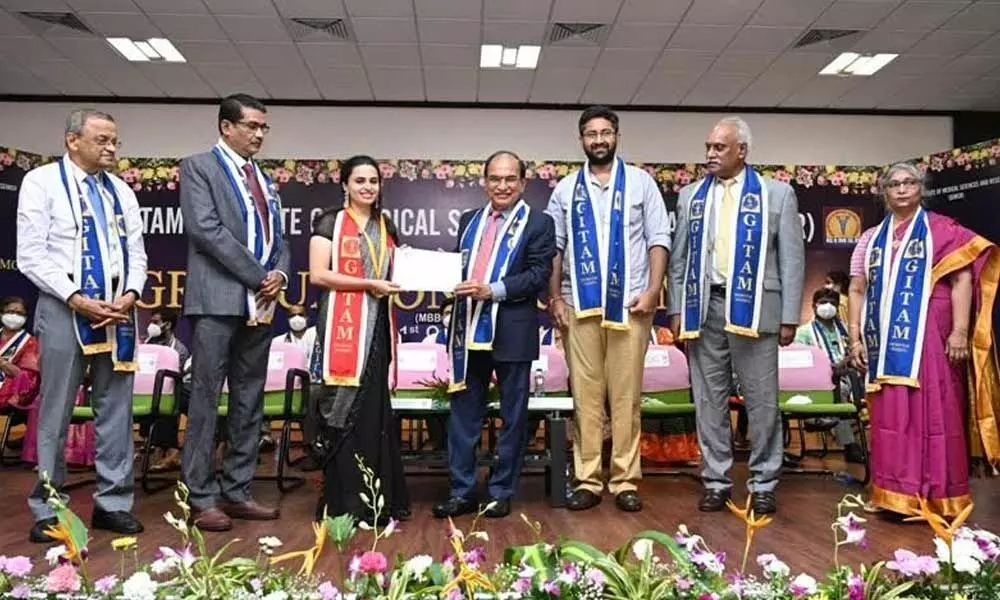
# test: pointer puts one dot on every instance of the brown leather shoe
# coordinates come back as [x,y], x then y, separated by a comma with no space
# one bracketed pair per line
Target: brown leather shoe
[250,511]
[210,519]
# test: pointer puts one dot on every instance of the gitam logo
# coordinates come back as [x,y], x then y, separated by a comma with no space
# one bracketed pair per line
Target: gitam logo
[842,227]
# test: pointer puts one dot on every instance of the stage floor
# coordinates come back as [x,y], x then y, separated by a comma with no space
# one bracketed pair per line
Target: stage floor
[800,534]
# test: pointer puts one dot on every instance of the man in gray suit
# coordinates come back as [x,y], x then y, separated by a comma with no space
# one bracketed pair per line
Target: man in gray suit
[736,278]
[237,265]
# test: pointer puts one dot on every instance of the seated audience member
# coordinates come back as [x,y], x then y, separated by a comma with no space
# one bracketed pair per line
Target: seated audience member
[161,332]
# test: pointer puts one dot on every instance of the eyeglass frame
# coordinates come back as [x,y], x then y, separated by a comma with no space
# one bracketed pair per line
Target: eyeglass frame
[263,128]
[593,136]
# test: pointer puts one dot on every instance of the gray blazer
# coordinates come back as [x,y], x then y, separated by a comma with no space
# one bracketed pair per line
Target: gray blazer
[220,266]
[784,265]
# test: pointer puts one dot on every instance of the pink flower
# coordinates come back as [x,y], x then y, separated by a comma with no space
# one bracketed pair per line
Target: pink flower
[855,587]
[20,590]
[327,591]
[106,584]
[63,579]
[372,562]
[6,159]
[522,585]
[321,177]
[783,175]
[595,577]
[909,564]
[171,185]
[17,566]
[551,587]
[442,171]
[281,175]
[137,187]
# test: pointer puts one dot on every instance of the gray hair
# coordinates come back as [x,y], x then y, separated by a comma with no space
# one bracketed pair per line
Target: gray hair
[79,117]
[742,130]
[908,168]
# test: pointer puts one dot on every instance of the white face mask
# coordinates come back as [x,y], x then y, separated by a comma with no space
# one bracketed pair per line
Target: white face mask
[13,321]
[297,323]
[826,311]
[153,330]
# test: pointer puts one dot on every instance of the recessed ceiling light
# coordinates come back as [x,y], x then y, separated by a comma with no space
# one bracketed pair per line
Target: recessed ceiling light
[496,56]
[851,63]
[153,49]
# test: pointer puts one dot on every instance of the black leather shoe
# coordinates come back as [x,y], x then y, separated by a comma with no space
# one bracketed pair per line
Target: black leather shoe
[763,503]
[582,500]
[38,530]
[629,501]
[500,508]
[118,521]
[713,500]
[854,454]
[454,507]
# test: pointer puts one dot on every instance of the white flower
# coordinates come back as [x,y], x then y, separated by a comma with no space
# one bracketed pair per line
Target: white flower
[178,524]
[276,595]
[162,566]
[419,564]
[139,587]
[773,566]
[803,585]
[270,542]
[364,526]
[642,549]
[966,556]
[54,554]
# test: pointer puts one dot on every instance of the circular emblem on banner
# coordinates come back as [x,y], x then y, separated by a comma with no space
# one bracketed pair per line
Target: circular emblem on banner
[842,226]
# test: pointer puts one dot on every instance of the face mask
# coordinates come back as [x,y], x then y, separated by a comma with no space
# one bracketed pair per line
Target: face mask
[13,321]
[297,323]
[153,330]
[826,311]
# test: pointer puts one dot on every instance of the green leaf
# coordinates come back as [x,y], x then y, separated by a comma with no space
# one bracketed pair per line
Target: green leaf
[77,530]
[575,551]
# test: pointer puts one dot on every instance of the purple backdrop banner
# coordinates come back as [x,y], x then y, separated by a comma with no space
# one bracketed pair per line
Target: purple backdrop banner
[425,199]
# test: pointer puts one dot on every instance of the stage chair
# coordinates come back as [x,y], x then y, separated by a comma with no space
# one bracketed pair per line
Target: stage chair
[286,392]
[805,391]
[666,392]
[153,395]
[416,362]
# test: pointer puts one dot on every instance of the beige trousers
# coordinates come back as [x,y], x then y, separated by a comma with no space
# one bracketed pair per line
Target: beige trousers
[606,363]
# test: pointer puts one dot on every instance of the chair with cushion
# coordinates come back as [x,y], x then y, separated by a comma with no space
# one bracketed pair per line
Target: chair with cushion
[805,392]
[666,391]
[153,395]
[286,392]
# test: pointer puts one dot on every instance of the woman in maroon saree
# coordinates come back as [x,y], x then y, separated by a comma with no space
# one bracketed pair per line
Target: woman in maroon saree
[924,431]
[20,382]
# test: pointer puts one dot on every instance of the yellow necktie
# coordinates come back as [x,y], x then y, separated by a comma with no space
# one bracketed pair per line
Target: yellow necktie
[724,228]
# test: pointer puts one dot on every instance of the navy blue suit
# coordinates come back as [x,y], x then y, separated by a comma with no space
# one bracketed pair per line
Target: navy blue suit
[515,346]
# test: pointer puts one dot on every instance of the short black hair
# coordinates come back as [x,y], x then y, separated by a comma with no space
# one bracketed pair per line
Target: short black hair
[598,112]
[825,293]
[522,169]
[839,278]
[231,107]
[8,300]
[168,315]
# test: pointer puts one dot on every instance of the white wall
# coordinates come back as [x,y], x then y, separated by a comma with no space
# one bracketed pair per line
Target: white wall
[447,133]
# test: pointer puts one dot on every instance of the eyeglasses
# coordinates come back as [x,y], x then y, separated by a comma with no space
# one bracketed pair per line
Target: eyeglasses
[253,127]
[104,141]
[591,136]
[897,183]
[496,180]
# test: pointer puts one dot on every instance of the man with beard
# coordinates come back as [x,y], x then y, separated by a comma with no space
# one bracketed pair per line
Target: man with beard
[736,294]
[612,245]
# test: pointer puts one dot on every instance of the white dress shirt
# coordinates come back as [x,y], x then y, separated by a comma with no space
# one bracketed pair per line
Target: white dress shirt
[306,343]
[48,224]
[718,192]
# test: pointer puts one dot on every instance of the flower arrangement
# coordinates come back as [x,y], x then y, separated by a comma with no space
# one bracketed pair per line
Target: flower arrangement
[650,566]
[152,174]
[440,394]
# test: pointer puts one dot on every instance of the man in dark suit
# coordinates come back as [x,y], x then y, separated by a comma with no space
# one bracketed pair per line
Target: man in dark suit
[237,265]
[507,253]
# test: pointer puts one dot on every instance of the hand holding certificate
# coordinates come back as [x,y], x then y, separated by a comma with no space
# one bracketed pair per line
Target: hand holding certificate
[416,270]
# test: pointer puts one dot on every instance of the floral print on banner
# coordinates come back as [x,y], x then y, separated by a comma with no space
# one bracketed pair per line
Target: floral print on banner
[152,174]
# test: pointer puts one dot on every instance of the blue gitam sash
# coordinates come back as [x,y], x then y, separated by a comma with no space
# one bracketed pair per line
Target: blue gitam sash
[12,347]
[473,323]
[599,275]
[266,251]
[820,341]
[744,287]
[895,309]
[92,275]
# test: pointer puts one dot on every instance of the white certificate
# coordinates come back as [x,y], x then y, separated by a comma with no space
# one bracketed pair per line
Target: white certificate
[417,270]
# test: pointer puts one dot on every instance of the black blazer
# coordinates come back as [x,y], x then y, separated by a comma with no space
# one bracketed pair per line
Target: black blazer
[516,337]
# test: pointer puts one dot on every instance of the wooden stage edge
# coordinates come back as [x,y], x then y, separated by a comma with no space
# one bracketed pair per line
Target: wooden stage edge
[800,534]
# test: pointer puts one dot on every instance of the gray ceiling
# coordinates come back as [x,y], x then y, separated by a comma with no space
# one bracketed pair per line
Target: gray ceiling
[651,52]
